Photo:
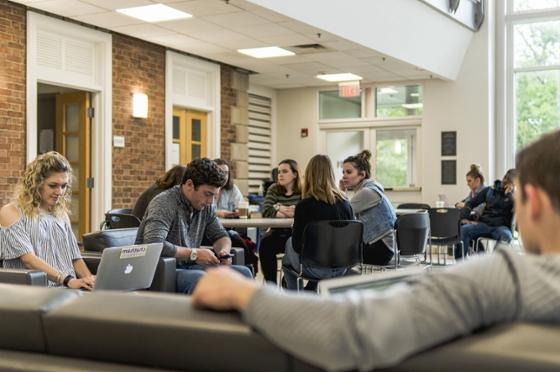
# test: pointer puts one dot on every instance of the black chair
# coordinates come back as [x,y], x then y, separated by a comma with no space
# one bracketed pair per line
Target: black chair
[445,225]
[414,206]
[412,234]
[119,220]
[331,244]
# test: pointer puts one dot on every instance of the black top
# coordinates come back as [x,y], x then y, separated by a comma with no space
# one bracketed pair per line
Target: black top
[499,205]
[144,200]
[311,210]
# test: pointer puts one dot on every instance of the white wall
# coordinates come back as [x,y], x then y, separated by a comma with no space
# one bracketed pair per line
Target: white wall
[464,105]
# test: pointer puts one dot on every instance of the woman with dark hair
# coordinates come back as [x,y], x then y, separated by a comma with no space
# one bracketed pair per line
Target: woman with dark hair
[36,228]
[230,195]
[280,202]
[322,200]
[171,178]
[371,206]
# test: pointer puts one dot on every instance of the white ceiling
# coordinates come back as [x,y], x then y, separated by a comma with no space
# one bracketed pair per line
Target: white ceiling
[218,28]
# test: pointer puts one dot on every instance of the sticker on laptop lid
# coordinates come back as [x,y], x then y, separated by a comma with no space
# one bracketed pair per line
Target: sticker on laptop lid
[136,251]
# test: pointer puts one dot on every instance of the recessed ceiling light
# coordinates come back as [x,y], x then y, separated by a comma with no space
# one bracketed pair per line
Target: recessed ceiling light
[154,13]
[339,77]
[415,94]
[266,52]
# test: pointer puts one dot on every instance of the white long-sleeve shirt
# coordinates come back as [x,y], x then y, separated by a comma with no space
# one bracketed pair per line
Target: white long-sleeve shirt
[365,330]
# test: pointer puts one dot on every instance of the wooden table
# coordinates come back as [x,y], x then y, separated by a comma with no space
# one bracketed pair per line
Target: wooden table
[257,222]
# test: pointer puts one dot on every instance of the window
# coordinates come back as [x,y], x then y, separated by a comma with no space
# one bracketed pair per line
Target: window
[524,5]
[332,106]
[398,101]
[536,70]
[394,157]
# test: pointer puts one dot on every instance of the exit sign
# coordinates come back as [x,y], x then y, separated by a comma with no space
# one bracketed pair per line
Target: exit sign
[349,89]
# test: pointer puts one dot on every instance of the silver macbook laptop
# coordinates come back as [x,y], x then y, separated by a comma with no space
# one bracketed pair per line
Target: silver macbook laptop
[376,281]
[128,268]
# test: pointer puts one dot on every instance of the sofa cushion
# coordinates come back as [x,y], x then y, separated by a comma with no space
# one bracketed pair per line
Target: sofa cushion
[158,330]
[21,312]
[99,240]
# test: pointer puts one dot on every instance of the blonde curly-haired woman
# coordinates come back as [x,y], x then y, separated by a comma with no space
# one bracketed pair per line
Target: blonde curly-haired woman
[36,227]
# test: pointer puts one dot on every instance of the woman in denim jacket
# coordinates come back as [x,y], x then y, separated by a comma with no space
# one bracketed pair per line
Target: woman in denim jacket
[371,206]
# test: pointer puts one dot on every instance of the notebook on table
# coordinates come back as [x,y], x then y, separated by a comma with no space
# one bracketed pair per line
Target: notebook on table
[377,281]
[128,268]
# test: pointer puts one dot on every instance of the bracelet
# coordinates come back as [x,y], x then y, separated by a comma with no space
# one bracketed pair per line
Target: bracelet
[67,280]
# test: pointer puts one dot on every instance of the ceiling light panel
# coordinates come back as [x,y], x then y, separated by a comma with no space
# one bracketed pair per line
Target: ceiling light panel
[154,13]
[266,52]
[339,77]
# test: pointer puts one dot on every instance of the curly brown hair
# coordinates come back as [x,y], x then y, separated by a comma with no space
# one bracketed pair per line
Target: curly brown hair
[28,189]
[204,172]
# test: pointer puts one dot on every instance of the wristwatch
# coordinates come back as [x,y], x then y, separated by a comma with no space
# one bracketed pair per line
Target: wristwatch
[194,254]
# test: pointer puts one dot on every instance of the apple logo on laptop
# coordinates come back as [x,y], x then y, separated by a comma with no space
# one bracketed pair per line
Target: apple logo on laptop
[128,269]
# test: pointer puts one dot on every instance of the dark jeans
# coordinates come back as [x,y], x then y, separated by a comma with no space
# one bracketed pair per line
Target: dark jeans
[272,243]
[188,275]
[471,232]
[377,253]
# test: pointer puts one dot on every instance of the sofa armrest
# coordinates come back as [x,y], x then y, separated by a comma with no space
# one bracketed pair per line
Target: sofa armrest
[23,276]
[239,256]
[164,277]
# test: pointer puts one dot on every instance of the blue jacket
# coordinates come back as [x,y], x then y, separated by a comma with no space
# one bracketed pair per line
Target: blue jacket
[380,219]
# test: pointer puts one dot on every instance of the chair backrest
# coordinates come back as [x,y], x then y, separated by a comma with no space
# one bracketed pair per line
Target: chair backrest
[413,206]
[121,220]
[334,244]
[99,240]
[412,233]
[445,222]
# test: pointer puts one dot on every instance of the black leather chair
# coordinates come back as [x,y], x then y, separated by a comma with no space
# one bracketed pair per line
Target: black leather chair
[120,220]
[96,242]
[164,278]
[23,276]
[412,234]
[445,230]
[332,244]
[414,206]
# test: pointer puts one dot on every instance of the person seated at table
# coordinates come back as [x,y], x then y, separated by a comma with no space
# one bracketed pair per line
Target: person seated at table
[496,218]
[181,216]
[171,178]
[365,330]
[280,202]
[269,182]
[226,207]
[371,206]
[36,229]
[322,200]
[475,182]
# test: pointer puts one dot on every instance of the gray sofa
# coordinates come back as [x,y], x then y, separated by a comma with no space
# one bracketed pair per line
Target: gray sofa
[59,329]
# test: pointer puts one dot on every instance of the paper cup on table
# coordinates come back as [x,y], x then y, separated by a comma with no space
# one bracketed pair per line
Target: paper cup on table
[243,209]
[440,203]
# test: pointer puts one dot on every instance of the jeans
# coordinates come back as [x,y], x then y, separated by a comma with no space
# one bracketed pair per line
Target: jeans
[291,260]
[271,244]
[188,275]
[474,231]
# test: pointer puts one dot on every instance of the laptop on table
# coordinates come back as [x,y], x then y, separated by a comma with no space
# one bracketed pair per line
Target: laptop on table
[378,281]
[128,268]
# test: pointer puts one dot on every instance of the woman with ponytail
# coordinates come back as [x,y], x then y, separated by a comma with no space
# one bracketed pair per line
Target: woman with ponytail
[371,206]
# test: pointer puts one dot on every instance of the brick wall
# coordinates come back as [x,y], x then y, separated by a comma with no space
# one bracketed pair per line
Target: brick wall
[12,97]
[228,98]
[137,66]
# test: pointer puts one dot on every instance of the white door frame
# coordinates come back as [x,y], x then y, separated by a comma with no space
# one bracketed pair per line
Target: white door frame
[193,84]
[99,82]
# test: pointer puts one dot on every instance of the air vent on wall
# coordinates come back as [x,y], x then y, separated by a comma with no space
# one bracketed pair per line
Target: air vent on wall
[308,48]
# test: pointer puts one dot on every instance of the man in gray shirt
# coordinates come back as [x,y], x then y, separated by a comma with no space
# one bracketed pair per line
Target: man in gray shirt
[181,216]
[366,330]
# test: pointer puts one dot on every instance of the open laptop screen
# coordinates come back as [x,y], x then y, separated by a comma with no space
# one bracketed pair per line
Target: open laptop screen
[377,281]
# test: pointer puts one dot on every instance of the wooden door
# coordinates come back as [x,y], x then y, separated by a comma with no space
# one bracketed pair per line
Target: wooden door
[73,141]
[190,134]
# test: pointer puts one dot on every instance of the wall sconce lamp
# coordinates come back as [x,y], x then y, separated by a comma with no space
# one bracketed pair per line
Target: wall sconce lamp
[139,105]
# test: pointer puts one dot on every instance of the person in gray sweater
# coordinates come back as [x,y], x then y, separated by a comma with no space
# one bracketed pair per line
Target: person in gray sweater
[365,330]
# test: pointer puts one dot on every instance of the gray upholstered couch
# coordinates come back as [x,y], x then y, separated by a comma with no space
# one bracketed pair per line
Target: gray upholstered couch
[59,329]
